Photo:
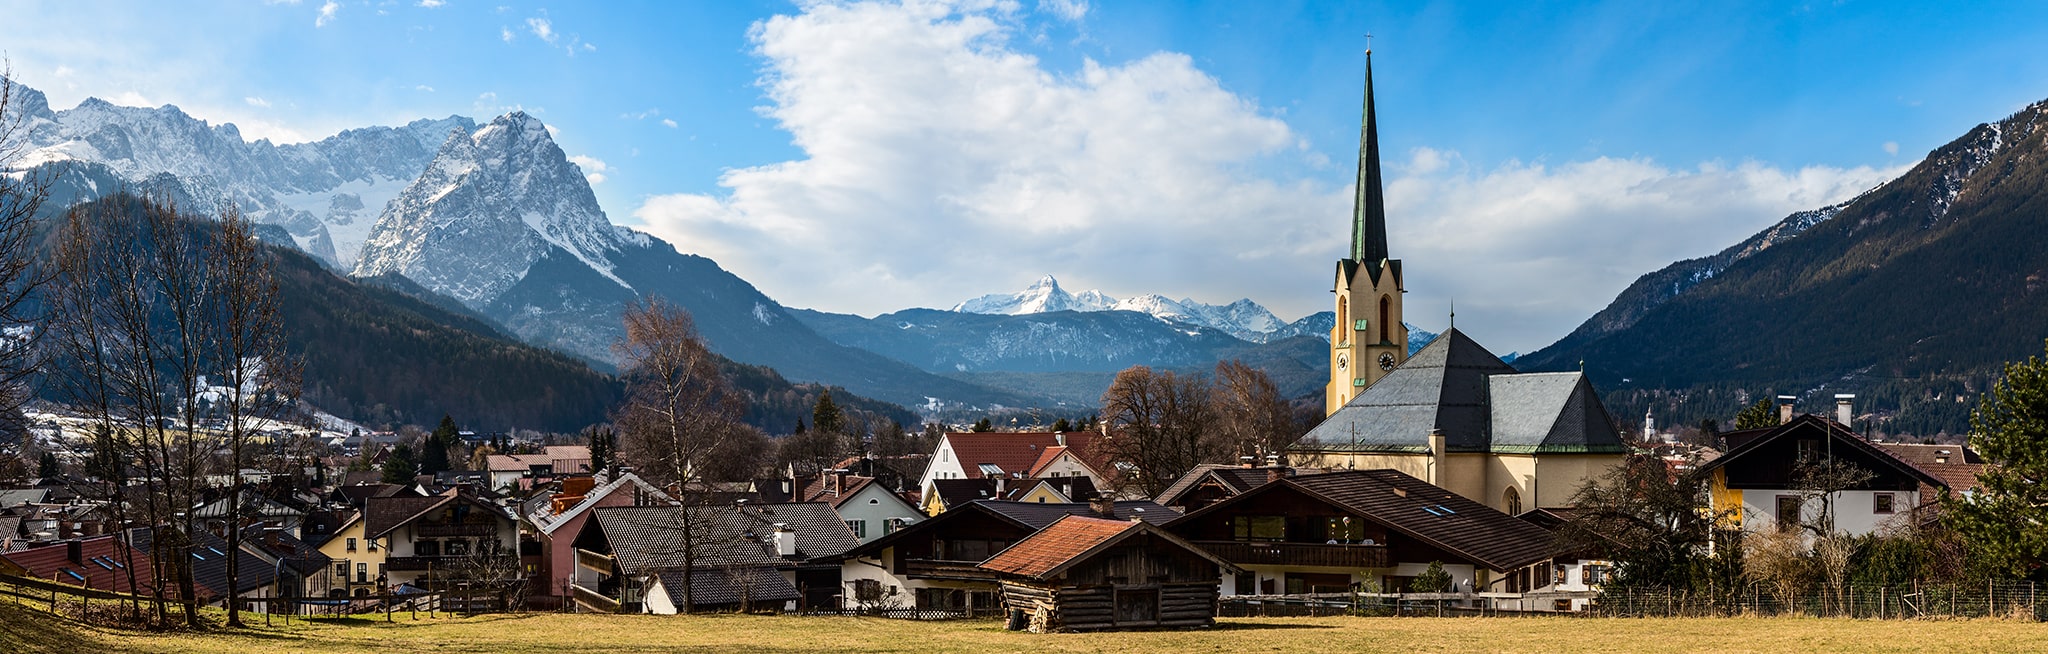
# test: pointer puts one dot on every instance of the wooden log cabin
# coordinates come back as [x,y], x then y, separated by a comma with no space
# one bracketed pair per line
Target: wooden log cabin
[1090,574]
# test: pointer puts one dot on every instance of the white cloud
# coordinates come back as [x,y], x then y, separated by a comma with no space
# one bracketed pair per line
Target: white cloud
[593,168]
[1891,147]
[506,34]
[257,102]
[590,47]
[326,13]
[63,71]
[669,123]
[423,88]
[541,28]
[430,4]
[1071,10]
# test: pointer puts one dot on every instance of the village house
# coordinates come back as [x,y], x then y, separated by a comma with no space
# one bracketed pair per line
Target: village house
[357,560]
[869,509]
[553,520]
[101,562]
[524,471]
[633,559]
[1334,532]
[1210,483]
[1015,455]
[1088,573]
[429,542]
[1762,483]
[254,578]
[933,564]
[1048,490]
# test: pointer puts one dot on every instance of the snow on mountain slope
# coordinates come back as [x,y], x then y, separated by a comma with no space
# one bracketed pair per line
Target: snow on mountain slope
[1244,319]
[326,193]
[489,206]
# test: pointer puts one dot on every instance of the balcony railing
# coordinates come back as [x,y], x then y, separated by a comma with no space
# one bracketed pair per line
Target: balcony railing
[595,561]
[939,569]
[415,563]
[440,531]
[1307,554]
[594,601]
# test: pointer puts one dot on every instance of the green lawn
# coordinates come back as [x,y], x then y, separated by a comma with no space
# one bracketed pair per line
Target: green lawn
[621,633]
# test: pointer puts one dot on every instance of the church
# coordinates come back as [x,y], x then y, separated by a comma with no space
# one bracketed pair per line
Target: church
[1454,414]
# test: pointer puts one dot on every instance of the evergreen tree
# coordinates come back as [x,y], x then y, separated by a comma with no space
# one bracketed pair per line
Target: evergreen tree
[399,467]
[48,467]
[1432,580]
[1757,416]
[984,425]
[603,441]
[799,427]
[434,453]
[1062,425]
[2006,521]
[826,416]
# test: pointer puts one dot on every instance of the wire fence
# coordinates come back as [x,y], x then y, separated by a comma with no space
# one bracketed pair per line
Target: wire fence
[2015,600]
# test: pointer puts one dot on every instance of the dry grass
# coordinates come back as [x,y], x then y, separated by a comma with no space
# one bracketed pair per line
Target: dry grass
[586,633]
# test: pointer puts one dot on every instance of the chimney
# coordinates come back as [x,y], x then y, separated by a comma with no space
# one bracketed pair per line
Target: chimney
[785,540]
[74,551]
[1785,408]
[838,481]
[1844,408]
[1002,482]
[1436,456]
[1248,461]
[1061,438]
[1103,505]
[1274,471]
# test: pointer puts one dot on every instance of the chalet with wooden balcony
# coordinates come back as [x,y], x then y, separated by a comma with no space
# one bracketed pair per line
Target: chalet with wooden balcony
[1338,531]
[432,541]
[934,564]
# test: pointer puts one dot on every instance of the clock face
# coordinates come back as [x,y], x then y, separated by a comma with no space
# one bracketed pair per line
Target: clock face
[1386,361]
[1343,362]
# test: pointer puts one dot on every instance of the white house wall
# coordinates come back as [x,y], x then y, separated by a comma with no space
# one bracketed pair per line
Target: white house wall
[1855,512]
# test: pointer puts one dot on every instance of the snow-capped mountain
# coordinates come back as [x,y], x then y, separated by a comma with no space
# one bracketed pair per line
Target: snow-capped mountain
[1244,318]
[491,204]
[326,193]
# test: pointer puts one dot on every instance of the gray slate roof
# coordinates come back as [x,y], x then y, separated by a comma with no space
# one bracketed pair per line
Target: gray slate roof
[649,539]
[1481,403]
[18,496]
[760,585]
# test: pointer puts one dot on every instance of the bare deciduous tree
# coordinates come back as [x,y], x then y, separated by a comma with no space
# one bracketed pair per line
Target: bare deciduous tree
[679,412]
[21,197]
[1251,416]
[1159,428]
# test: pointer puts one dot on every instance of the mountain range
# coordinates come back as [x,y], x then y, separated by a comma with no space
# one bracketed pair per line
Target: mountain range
[1911,295]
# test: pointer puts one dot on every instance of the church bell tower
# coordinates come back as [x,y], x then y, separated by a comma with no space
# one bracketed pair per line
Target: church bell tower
[1369,339]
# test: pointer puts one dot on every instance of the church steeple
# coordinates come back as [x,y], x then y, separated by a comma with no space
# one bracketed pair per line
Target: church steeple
[1369,207]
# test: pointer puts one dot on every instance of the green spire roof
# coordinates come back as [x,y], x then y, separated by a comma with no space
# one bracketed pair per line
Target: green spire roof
[1369,208]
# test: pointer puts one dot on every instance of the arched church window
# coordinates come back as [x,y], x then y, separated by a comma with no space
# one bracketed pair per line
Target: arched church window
[1343,314]
[1386,305]
[1513,500]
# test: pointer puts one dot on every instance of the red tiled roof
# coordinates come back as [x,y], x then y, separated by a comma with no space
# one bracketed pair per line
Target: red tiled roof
[1017,452]
[102,563]
[1053,546]
[1955,464]
[819,491]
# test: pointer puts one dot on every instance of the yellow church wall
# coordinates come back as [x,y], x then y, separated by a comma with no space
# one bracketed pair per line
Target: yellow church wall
[1415,465]
[1465,474]
[1505,471]
[1559,476]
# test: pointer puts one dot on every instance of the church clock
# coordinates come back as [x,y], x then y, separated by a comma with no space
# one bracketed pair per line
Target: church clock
[1343,362]
[1386,361]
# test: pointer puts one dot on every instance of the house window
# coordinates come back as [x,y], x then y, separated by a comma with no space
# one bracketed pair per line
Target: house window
[1259,527]
[1512,499]
[867,590]
[1344,529]
[362,573]
[1809,449]
[1247,583]
[859,528]
[1560,574]
[351,544]
[457,547]
[1596,575]
[341,569]
[1788,512]
[427,548]
[1883,503]
[372,543]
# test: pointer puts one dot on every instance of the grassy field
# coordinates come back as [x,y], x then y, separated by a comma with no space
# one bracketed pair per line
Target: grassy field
[587,633]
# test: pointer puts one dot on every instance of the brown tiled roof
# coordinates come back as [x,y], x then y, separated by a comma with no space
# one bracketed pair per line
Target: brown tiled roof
[383,514]
[1052,546]
[820,491]
[1237,478]
[1017,453]
[103,563]
[1956,464]
[1836,431]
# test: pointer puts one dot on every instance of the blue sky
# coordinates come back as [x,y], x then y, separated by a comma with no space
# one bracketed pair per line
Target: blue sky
[871,157]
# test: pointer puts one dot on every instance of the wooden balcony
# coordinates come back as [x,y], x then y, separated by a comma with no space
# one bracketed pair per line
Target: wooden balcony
[593,601]
[939,569]
[417,563]
[594,561]
[1303,554]
[442,531]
